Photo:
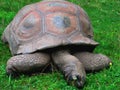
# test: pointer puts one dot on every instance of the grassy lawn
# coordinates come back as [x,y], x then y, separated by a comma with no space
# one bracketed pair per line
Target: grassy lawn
[105,17]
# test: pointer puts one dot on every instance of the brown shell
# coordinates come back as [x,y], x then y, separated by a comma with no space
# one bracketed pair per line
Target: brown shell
[48,24]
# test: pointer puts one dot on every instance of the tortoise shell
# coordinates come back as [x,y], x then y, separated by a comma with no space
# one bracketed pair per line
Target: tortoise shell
[48,24]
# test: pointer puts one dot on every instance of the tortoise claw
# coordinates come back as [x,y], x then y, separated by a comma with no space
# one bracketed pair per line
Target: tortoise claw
[76,80]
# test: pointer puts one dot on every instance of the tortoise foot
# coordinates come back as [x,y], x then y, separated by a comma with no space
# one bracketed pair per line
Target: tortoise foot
[71,67]
[74,77]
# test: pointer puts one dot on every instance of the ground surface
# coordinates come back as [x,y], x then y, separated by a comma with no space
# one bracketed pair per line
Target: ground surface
[105,17]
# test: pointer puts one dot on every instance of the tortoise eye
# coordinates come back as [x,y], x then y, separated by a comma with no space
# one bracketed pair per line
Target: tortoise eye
[29,26]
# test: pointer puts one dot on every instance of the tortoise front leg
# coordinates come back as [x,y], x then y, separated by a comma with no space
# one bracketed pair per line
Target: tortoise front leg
[27,63]
[71,67]
[93,62]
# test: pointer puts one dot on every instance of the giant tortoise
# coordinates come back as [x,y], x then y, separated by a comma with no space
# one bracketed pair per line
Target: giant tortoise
[54,31]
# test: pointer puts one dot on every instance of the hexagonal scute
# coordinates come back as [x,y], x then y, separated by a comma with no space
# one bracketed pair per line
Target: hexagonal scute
[29,26]
[61,23]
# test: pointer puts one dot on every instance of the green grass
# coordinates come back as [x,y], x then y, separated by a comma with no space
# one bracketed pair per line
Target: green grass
[105,17]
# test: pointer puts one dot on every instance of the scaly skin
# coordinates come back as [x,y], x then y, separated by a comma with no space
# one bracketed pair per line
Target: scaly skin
[27,63]
[93,62]
[71,67]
